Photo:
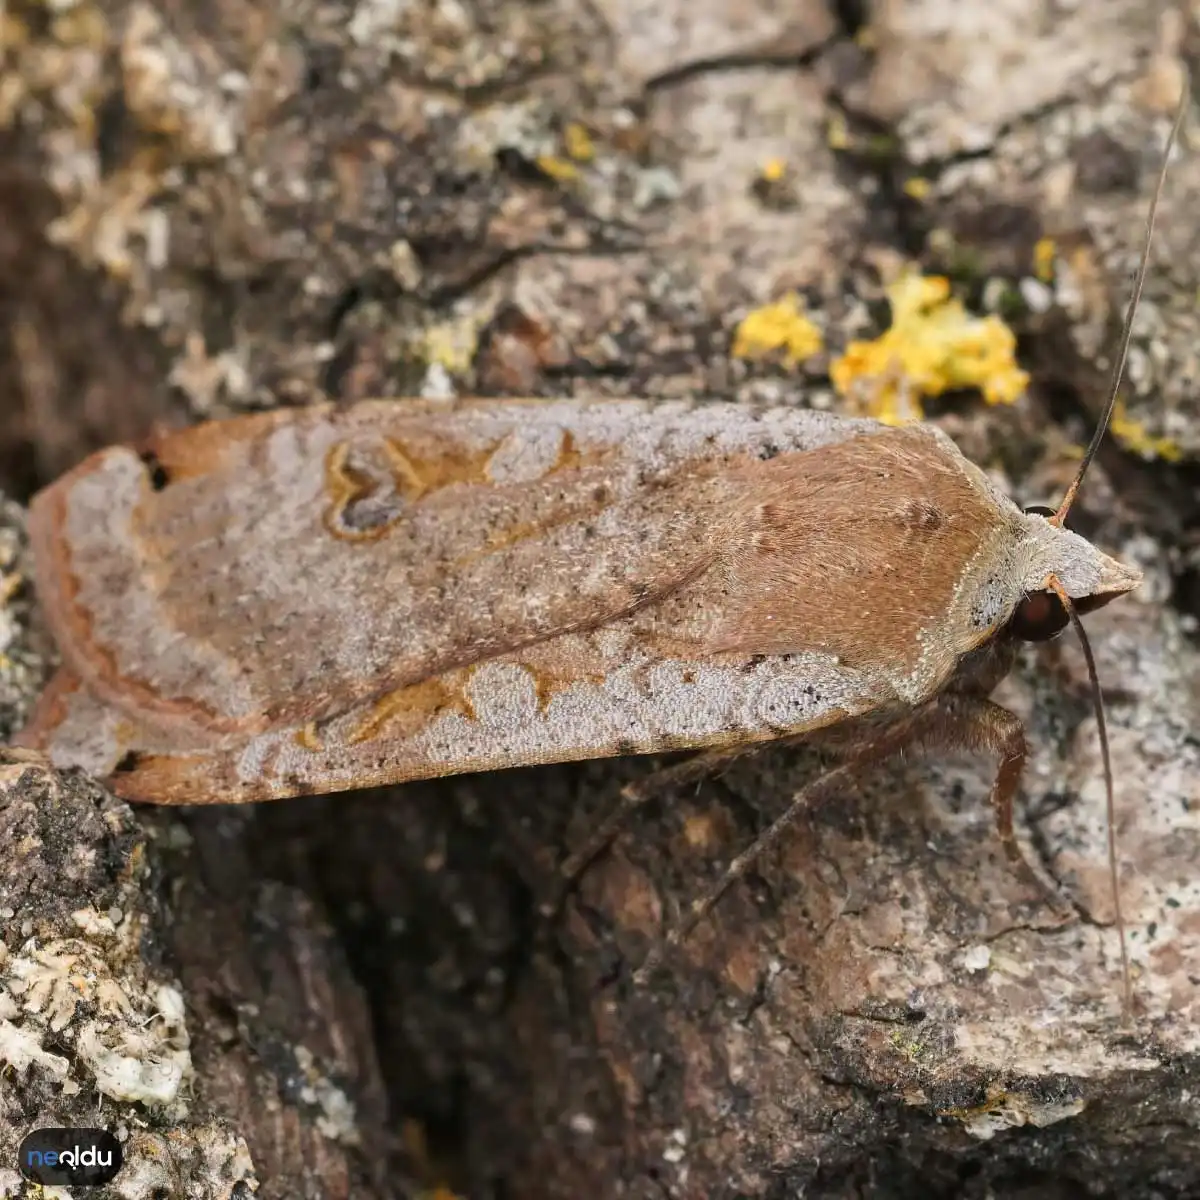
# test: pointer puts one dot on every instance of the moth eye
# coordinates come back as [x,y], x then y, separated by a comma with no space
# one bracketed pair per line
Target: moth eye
[1039,617]
[129,761]
[155,471]
[1039,510]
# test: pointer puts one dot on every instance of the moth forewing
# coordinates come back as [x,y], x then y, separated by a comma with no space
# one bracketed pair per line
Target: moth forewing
[840,569]
[647,681]
[280,568]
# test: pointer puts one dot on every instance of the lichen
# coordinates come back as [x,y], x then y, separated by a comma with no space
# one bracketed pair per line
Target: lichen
[577,142]
[451,344]
[781,326]
[557,168]
[1134,436]
[21,1049]
[1044,253]
[932,346]
[213,1158]
[337,1118]
[141,1066]
[51,983]
[773,170]
[128,1034]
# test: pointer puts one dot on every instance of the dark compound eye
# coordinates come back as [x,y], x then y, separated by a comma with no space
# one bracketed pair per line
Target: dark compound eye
[1039,510]
[1039,617]
[158,474]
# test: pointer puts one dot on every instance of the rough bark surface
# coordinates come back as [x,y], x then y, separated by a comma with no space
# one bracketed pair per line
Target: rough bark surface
[210,207]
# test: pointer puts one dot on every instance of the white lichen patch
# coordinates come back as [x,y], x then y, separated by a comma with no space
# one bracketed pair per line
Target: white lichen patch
[204,377]
[51,982]
[336,1113]
[48,984]
[108,221]
[212,1157]
[146,1062]
[129,1034]
[94,925]
[976,958]
[170,93]
[145,1066]
[21,1049]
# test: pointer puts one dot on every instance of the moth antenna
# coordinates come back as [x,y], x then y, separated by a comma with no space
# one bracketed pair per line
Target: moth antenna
[1118,371]
[1109,804]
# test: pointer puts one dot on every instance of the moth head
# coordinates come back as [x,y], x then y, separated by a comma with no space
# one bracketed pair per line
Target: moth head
[1088,576]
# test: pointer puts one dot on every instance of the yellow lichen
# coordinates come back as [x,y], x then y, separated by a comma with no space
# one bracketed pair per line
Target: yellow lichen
[578,142]
[452,344]
[1134,436]
[867,38]
[557,168]
[781,326]
[773,170]
[933,346]
[1044,251]
[909,1047]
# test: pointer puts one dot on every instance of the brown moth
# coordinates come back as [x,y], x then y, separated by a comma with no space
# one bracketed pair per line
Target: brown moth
[313,600]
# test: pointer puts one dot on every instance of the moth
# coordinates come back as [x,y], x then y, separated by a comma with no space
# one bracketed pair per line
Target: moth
[314,600]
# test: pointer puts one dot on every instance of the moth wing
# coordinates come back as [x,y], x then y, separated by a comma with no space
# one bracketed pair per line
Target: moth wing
[607,692]
[893,553]
[256,574]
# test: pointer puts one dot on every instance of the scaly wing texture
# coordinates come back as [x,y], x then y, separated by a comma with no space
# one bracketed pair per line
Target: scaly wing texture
[891,553]
[614,690]
[314,601]
[253,573]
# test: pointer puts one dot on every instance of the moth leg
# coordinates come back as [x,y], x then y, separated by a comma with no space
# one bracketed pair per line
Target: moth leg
[634,795]
[975,723]
[882,746]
